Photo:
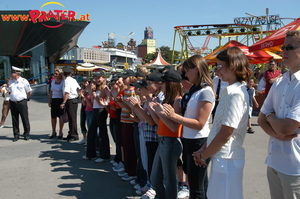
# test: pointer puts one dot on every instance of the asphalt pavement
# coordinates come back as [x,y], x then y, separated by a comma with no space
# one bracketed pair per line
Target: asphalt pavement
[51,168]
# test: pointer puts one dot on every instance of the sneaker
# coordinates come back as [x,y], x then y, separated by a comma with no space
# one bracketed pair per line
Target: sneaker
[250,130]
[183,192]
[133,182]
[150,194]
[98,160]
[128,178]
[1,126]
[115,164]
[122,173]
[142,190]
[137,187]
[83,141]
[87,158]
[119,168]
[112,161]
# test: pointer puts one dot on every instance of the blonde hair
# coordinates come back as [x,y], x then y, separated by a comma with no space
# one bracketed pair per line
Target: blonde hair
[144,70]
[294,33]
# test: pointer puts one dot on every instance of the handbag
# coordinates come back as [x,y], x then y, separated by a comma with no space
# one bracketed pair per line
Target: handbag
[64,117]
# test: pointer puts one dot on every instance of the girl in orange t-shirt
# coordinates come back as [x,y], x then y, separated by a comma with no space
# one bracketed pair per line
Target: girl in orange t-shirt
[163,176]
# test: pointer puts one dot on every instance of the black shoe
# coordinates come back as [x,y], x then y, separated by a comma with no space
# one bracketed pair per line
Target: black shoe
[52,136]
[68,137]
[26,137]
[60,137]
[72,139]
[15,139]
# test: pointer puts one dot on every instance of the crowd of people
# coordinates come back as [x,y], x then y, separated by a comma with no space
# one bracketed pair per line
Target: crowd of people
[159,122]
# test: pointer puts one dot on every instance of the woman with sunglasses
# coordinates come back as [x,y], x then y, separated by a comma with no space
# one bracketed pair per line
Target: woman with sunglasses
[54,102]
[225,140]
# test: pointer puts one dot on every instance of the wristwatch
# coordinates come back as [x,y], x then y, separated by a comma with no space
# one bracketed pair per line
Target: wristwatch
[268,115]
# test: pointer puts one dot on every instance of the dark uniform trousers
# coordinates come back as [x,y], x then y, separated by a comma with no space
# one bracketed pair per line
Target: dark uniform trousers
[19,108]
[71,108]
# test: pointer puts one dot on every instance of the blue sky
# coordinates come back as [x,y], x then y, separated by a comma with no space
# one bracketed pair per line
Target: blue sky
[124,16]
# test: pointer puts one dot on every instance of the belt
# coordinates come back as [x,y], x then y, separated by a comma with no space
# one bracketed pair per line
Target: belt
[18,101]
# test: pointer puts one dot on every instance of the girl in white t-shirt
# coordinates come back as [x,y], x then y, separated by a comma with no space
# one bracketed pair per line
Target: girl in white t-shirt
[196,107]
[225,140]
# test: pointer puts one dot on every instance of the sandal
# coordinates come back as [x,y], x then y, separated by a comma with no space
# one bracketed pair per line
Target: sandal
[250,130]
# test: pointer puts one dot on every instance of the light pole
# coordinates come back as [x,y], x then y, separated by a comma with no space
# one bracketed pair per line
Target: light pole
[130,34]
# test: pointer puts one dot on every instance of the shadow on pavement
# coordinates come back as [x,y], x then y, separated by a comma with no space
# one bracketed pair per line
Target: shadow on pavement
[85,178]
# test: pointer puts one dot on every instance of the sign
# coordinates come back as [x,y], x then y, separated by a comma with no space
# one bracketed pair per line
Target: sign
[39,16]
[259,20]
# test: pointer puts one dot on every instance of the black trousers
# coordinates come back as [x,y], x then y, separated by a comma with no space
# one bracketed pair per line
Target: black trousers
[99,120]
[83,119]
[19,108]
[197,176]
[71,108]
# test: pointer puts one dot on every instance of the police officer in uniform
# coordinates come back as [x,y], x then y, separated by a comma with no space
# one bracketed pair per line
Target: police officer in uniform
[20,92]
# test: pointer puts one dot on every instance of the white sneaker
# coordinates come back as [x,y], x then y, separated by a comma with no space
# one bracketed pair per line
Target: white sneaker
[98,160]
[133,182]
[119,168]
[128,178]
[137,186]
[83,141]
[150,194]
[142,190]
[1,126]
[115,164]
[122,173]
[112,161]
[183,192]
[86,158]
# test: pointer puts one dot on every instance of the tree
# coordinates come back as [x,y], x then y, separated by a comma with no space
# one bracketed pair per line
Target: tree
[166,53]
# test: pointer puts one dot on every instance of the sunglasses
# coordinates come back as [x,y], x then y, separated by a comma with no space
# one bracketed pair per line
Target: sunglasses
[218,67]
[288,48]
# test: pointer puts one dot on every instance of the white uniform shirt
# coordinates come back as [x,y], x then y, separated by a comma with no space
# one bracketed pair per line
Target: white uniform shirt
[205,94]
[232,111]
[70,87]
[19,89]
[284,100]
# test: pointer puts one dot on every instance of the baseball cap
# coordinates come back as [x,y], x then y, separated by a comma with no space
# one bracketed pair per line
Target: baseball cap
[67,70]
[155,77]
[168,67]
[116,76]
[128,73]
[99,74]
[140,83]
[139,74]
[171,76]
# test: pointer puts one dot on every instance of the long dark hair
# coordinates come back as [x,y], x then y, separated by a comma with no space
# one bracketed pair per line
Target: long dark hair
[172,91]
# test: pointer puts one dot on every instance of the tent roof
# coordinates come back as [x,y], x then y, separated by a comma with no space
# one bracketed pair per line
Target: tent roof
[275,40]
[159,61]
[253,57]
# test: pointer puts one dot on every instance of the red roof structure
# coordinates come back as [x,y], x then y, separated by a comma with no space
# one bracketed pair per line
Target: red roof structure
[274,41]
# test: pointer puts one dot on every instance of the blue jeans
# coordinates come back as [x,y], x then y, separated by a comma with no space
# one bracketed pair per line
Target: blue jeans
[89,118]
[163,175]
